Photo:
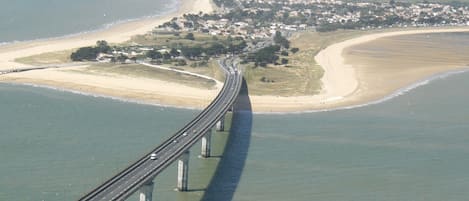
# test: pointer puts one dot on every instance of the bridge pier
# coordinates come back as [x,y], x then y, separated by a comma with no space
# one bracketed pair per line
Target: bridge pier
[221,124]
[183,171]
[146,191]
[206,144]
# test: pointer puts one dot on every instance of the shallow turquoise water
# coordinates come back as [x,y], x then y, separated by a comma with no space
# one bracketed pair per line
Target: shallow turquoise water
[34,19]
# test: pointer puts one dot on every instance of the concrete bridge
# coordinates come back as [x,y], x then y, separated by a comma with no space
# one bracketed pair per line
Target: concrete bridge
[139,176]
[24,69]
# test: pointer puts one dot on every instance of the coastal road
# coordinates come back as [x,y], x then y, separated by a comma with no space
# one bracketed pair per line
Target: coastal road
[144,170]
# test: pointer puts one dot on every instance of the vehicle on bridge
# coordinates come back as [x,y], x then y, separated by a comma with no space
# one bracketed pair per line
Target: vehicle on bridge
[140,174]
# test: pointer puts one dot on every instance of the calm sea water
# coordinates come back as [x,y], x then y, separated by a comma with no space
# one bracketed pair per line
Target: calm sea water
[33,19]
[413,147]
[56,146]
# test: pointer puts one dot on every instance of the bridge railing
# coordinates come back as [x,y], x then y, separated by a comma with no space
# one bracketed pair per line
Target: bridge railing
[166,143]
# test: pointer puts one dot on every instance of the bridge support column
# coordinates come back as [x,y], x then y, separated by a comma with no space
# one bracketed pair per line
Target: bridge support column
[183,171]
[221,124]
[206,144]
[146,191]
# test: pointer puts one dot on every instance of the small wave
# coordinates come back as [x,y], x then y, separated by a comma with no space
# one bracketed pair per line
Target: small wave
[393,95]
[94,95]
[170,7]
[4,43]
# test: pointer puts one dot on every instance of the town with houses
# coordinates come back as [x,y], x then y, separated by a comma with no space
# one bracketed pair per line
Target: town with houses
[255,23]
[246,18]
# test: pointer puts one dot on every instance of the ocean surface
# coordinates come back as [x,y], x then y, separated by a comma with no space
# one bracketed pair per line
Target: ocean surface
[35,19]
[56,145]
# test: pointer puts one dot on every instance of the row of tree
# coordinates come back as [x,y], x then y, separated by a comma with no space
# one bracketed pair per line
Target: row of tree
[281,40]
[90,53]
[212,49]
[232,45]
[269,55]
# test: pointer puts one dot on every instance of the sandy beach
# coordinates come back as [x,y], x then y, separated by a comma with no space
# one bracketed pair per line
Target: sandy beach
[347,85]
[343,84]
[115,34]
[139,89]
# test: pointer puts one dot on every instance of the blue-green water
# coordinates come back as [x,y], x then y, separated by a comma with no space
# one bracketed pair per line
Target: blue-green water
[413,147]
[34,19]
[56,146]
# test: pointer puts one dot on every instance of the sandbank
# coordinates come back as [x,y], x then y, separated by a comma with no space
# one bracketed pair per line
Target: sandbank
[125,87]
[346,85]
[133,88]
[115,34]
[343,84]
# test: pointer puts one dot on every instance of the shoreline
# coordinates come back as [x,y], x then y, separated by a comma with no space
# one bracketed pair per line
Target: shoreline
[402,91]
[98,95]
[117,33]
[150,91]
[101,28]
[343,84]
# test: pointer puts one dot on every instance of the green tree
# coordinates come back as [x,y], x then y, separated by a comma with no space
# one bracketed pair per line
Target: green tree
[284,61]
[190,36]
[175,26]
[192,52]
[266,55]
[166,56]
[122,58]
[215,49]
[153,54]
[280,40]
[294,50]
[85,54]
[103,46]
[174,52]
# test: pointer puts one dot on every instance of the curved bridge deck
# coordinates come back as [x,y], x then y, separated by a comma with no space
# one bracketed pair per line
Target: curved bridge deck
[144,170]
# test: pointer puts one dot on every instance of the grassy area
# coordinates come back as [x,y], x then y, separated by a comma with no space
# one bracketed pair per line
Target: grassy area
[47,58]
[280,81]
[302,75]
[167,39]
[136,70]
[172,40]
[212,69]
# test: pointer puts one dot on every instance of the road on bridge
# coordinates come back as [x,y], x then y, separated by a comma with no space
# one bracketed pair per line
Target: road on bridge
[144,170]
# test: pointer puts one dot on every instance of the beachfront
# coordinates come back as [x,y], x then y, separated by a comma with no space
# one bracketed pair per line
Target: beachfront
[349,85]
[343,84]
[126,87]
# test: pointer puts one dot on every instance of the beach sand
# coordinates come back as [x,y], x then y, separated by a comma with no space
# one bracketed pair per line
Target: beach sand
[347,84]
[344,83]
[134,88]
[115,34]
[137,89]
